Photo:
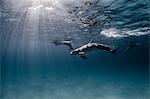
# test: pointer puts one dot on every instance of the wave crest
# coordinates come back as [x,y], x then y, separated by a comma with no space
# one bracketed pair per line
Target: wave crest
[116,33]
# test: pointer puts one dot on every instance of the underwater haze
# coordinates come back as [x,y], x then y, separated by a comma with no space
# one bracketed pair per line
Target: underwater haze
[34,68]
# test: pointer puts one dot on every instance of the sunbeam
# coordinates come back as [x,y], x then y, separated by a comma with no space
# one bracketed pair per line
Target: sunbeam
[38,37]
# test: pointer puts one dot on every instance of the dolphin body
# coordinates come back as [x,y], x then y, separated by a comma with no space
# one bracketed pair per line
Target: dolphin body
[81,51]
[65,42]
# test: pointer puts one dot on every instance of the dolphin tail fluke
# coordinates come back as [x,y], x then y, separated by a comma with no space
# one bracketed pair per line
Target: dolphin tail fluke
[113,51]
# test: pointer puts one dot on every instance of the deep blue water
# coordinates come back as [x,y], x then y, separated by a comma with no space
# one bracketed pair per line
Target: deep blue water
[33,68]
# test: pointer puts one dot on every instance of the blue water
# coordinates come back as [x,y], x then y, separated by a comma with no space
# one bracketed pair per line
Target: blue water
[33,68]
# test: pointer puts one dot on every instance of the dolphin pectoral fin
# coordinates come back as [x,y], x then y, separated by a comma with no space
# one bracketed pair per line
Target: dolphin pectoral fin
[83,57]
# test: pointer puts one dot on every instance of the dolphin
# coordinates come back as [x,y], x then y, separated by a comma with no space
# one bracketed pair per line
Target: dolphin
[132,45]
[81,51]
[65,42]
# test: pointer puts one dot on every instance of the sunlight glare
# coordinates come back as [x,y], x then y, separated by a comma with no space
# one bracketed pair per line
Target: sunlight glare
[49,8]
[46,4]
[34,8]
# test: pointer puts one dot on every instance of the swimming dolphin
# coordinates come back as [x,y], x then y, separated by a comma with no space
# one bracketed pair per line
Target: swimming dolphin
[65,42]
[131,46]
[81,51]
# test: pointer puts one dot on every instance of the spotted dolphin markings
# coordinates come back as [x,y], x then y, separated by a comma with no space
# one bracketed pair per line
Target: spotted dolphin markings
[85,49]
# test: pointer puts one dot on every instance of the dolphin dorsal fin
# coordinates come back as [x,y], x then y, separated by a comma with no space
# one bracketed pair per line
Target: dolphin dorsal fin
[91,41]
